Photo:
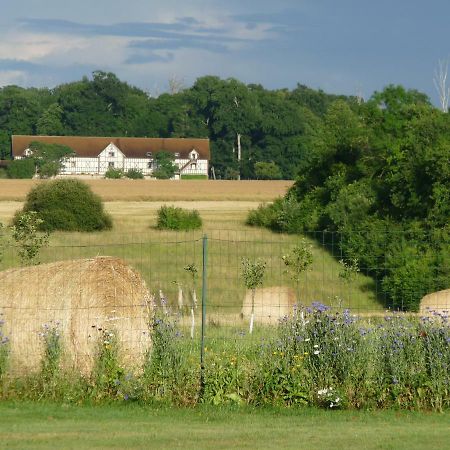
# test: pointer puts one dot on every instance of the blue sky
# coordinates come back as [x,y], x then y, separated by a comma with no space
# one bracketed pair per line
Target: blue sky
[341,46]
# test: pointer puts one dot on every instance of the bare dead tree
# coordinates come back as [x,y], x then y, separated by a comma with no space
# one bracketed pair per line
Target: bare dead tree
[441,84]
[176,84]
[359,95]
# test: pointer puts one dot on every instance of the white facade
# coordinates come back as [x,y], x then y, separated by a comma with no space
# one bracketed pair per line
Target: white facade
[112,157]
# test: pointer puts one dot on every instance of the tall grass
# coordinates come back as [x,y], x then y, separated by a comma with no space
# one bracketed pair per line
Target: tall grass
[318,357]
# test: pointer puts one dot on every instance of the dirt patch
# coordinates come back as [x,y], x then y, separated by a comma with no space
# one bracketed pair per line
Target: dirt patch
[87,298]
[271,304]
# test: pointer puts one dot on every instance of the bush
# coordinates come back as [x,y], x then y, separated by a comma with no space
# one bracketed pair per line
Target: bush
[66,205]
[114,173]
[134,174]
[172,218]
[21,168]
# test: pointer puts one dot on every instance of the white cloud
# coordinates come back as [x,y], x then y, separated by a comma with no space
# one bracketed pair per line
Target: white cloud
[8,77]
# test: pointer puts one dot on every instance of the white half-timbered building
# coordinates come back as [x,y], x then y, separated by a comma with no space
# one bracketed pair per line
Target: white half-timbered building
[95,155]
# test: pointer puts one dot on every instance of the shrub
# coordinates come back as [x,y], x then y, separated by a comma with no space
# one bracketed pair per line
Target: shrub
[21,168]
[173,218]
[114,173]
[66,205]
[25,234]
[134,174]
[265,215]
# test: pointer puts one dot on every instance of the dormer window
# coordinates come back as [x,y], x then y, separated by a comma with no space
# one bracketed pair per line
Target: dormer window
[149,154]
[193,155]
[177,155]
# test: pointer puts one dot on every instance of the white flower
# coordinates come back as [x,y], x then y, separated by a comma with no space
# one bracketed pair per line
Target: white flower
[316,346]
[322,391]
[316,352]
[307,339]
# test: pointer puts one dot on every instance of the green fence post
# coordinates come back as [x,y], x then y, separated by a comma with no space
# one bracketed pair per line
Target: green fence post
[204,287]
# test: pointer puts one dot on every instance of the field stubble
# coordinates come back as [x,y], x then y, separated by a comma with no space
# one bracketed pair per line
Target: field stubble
[164,190]
[160,256]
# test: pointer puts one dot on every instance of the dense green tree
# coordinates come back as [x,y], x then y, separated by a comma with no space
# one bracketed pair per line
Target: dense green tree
[48,158]
[50,122]
[165,167]
[267,171]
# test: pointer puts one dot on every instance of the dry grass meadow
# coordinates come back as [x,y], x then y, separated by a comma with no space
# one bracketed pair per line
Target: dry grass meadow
[160,256]
[164,190]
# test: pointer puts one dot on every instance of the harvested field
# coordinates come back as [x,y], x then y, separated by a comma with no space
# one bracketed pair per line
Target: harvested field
[164,190]
[86,300]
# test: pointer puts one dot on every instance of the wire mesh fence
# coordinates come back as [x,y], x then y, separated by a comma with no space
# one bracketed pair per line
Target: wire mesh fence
[93,289]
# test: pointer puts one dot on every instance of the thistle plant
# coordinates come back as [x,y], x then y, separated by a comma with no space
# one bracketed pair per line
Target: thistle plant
[27,237]
[1,241]
[193,271]
[253,275]
[107,372]
[51,338]
[297,261]
[4,348]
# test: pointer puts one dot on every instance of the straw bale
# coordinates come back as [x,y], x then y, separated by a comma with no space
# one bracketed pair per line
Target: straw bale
[436,301]
[86,297]
[271,304]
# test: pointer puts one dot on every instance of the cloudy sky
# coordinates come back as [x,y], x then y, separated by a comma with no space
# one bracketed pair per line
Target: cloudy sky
[341,46]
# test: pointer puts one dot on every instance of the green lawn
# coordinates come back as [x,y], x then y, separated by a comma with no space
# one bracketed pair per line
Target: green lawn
[49,426]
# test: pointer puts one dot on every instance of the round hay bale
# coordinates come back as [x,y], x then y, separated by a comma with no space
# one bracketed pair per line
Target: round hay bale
[436,301]
[86,298]
[271,304]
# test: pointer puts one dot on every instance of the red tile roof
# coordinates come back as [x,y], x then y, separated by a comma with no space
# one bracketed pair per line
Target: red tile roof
[91,147]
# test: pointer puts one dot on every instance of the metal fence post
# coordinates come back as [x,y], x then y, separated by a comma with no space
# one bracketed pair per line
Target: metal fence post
[204,287]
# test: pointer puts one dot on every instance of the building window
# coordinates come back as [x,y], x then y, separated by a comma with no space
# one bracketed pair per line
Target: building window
[177,155]
[111,164]
[150,164]
[73,164]
[111,154]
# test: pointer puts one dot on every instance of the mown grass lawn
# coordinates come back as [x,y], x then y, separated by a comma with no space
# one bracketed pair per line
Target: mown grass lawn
[49,426]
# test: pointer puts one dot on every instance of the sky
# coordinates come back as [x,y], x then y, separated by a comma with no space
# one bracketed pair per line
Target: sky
[341,46]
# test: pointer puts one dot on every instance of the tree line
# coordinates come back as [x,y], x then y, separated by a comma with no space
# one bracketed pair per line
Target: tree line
[378,175]
[254,132]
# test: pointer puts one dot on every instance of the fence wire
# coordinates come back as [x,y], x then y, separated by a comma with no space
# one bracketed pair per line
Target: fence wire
[93,287]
